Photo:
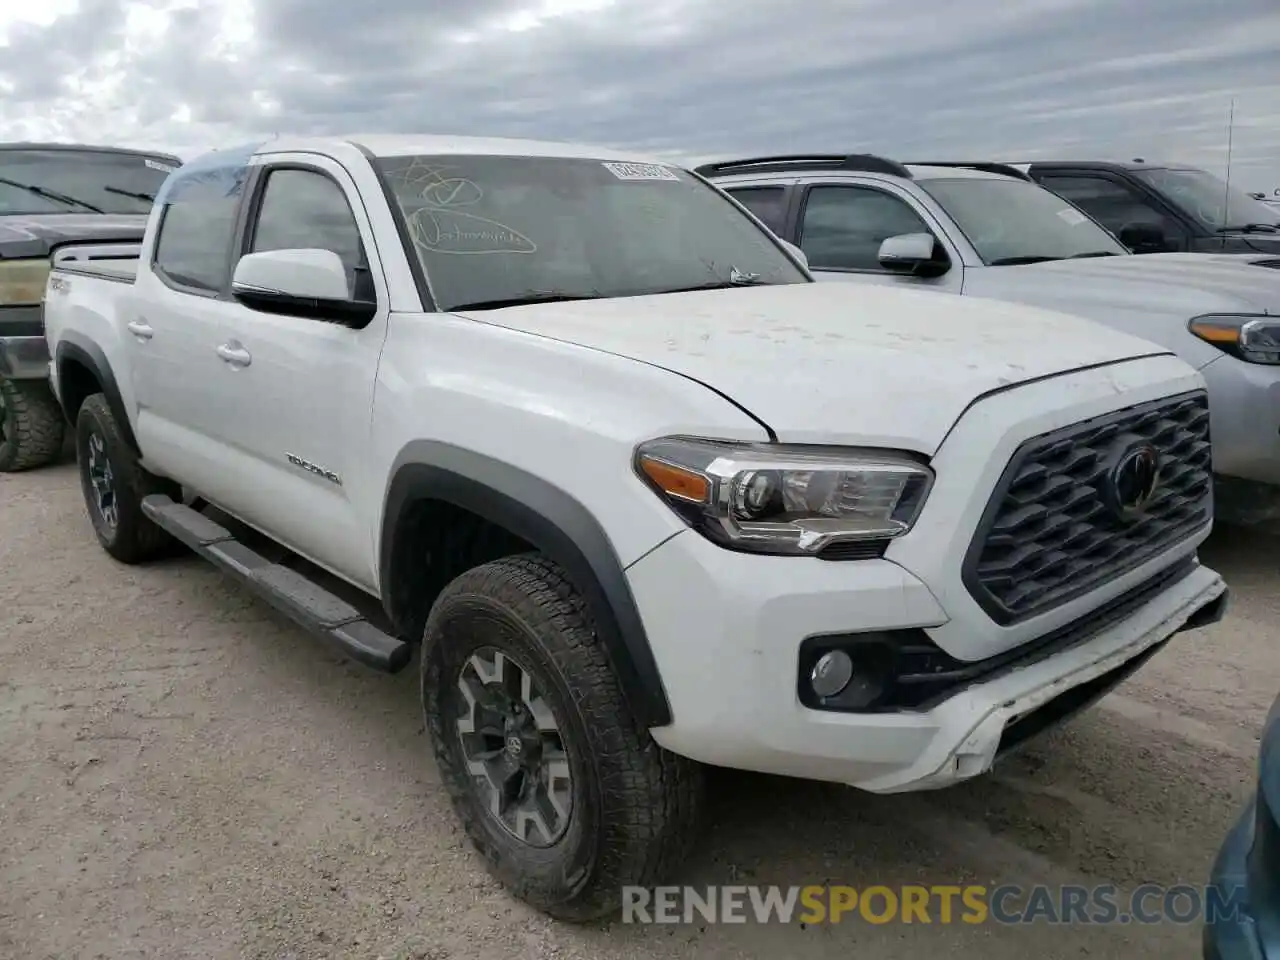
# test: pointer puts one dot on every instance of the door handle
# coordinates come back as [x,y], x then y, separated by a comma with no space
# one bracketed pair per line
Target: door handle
[140,329]
[235,354]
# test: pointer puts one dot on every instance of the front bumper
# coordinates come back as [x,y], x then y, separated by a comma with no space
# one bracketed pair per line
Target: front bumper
[24,355]
[1244,417]
[24,358]
[726,629]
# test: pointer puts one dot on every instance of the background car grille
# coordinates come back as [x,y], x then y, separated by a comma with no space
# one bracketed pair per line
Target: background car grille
[1048,536]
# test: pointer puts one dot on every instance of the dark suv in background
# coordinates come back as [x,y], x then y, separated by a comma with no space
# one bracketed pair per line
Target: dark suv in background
[1163,207]
[54,195]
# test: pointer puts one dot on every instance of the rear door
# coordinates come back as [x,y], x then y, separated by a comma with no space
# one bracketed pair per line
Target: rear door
[172,325]
[299,389]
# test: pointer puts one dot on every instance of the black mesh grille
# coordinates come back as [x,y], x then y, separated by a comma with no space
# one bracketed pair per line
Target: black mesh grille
[1050,532]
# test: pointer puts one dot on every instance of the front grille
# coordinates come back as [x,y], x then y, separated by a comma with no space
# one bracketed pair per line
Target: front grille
[1051,532]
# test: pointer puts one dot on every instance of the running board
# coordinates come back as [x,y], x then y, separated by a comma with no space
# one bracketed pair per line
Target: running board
[307,604]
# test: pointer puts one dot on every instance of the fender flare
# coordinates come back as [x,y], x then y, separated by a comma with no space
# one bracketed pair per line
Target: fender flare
[75,346]
[556,525]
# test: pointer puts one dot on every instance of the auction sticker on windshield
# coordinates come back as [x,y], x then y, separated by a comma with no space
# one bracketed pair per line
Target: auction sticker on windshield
[157,165]
[1073,217]
[640,171]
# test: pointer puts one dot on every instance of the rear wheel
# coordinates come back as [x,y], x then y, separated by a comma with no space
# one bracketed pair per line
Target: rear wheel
[32,427]
[562,794]
[114,484]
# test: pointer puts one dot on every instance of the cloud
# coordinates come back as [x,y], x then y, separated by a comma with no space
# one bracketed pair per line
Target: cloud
[687,78]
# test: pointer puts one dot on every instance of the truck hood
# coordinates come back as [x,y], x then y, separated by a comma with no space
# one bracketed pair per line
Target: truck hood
[824,363]
[26,235]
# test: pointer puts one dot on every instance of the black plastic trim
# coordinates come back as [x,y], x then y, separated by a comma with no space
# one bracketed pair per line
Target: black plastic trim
[860,162]
[1003,169]
[554,523]
[74,346]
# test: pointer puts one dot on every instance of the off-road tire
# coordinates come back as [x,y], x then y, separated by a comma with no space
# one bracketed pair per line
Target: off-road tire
[32,427]
[133,538]
[635,806]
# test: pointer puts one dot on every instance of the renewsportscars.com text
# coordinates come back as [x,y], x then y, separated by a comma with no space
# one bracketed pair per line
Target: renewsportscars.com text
[937,904]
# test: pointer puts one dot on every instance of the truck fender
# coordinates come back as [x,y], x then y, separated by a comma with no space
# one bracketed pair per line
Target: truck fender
[556,525]
[75,348]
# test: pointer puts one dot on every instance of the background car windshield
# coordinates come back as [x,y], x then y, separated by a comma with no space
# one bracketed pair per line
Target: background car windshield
[1209,199]
[75,181]
[492,228]
[1010,219]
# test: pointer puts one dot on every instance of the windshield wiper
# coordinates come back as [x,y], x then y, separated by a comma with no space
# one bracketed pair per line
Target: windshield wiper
[48,194]
[528,298]
[136,195]
[1252,228]
[1016,261]
[1093,253]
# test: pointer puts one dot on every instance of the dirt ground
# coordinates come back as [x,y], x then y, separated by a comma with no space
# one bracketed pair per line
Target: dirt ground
[185,775]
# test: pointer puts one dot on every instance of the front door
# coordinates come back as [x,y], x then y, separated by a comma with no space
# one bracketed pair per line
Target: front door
[300,388]
[842,227]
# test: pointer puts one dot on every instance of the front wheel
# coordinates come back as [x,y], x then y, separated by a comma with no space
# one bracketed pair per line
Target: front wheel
[31,425]
[563,795]
[114,484]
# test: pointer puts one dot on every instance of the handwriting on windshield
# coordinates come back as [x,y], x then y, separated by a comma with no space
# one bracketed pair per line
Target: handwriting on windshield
[440,225]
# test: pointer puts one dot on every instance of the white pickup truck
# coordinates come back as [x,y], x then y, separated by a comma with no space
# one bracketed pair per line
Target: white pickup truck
[646,494]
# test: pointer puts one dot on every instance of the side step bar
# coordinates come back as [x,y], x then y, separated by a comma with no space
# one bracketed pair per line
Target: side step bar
[309,605]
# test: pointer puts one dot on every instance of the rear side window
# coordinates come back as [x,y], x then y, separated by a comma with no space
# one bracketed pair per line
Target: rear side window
[193,248]
[767,203]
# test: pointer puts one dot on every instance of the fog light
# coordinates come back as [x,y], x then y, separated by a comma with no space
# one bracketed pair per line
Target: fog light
[831,673]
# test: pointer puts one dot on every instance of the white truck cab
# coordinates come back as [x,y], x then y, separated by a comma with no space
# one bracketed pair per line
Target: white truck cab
[644,495]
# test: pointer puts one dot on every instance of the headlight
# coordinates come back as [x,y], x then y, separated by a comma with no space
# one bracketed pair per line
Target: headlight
[1253,339]
[22,282]
[779,499]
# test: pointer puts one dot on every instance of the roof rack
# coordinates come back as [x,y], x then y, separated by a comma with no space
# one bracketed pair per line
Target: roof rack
[862,162]
[1003,169]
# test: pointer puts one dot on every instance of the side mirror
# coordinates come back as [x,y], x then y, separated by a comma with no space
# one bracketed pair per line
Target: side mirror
[305,282]
[1143,238]
[914,254]
[795,252]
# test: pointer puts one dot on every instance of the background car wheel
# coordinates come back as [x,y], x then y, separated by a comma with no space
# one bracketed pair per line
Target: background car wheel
[563,795]
[32,427]
[114,484]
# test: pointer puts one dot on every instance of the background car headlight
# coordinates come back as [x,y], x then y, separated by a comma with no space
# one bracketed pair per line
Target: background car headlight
[782,499]
[22,282]
[1253,339]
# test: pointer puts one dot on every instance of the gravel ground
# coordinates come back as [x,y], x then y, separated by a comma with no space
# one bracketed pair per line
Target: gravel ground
[185,775]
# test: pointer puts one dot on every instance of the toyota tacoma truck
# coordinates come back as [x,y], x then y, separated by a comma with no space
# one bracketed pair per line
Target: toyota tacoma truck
[988,230]
[645,495]
[53,195]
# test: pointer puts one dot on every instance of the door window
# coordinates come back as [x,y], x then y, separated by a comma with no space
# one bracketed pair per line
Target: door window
[769,204]
[843,227]
[304,209]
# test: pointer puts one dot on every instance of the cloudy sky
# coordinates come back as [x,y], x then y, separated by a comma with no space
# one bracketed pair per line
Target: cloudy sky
[688,78]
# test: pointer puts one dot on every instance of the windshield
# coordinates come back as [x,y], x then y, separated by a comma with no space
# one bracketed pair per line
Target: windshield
[1209,199]
[1013,221]
[39,181]
[489,230]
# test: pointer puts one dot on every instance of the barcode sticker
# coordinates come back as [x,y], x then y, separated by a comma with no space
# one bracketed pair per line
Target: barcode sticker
[640,171]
